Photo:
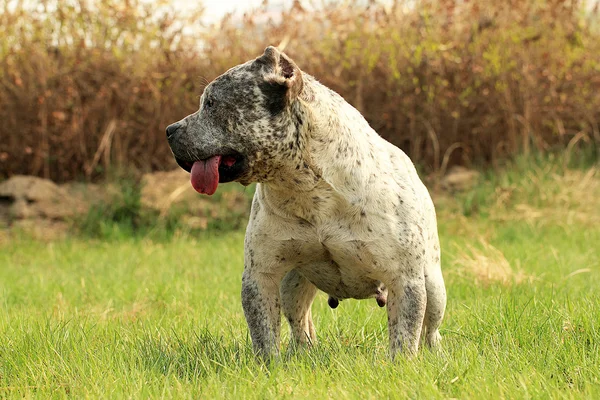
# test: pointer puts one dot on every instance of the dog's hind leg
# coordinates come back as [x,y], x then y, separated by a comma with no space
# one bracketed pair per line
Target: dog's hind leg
[297,295]
[436,303]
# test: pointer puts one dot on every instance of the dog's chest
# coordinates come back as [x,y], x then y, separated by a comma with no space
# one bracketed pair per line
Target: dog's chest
[336,245]
[338,266]
[316,207]
[336,256]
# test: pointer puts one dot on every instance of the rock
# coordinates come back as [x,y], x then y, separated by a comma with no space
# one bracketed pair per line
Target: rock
[460,179]
[46,210]
[28,197]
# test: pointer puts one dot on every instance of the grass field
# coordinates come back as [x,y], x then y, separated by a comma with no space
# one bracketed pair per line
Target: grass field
[138,318]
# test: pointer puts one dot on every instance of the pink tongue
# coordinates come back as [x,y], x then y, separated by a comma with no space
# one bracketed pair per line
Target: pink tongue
[205,175]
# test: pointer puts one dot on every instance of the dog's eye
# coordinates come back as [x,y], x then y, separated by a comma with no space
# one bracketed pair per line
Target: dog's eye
[208,103]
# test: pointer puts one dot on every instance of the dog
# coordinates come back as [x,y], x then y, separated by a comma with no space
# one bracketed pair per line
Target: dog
[336,208]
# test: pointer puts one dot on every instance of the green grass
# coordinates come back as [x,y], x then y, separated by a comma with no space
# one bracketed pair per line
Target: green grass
[138,318]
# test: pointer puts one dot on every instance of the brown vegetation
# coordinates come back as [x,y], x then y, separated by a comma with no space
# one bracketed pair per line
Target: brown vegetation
[86,85]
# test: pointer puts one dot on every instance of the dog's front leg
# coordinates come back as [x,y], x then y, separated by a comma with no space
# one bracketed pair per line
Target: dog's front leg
[260,299]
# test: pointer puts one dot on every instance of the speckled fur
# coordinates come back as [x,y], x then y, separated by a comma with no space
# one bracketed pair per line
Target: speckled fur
[337,208]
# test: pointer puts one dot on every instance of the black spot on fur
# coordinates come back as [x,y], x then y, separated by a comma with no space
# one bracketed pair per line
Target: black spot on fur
[275,96]
[414,302]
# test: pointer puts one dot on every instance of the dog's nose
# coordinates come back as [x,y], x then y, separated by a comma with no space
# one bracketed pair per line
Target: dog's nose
[171,129]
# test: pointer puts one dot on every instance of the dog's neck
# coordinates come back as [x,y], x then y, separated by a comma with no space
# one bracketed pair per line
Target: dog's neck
[341,143]
[331,147]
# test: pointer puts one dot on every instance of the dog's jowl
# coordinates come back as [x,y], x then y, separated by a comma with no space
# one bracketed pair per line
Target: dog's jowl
[337,208]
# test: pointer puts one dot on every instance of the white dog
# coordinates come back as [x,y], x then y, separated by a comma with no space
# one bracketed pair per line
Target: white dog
[337,207]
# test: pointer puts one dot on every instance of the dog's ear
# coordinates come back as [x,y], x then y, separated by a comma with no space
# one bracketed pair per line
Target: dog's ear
[281,70]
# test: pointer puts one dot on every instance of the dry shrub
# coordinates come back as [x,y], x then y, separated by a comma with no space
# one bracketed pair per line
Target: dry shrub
[89,84]
[486,265]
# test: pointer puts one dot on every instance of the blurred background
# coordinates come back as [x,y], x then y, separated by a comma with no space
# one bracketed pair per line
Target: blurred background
[87,87]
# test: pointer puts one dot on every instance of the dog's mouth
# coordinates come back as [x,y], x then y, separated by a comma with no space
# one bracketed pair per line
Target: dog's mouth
[205,175]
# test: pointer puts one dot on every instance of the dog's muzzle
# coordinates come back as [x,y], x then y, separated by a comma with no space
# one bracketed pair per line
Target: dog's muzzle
[172,129]
[208,165]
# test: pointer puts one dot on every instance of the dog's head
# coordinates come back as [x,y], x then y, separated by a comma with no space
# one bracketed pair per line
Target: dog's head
[246,124]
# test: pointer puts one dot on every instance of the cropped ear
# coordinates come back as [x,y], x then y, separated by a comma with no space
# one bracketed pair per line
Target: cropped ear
[281,70]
